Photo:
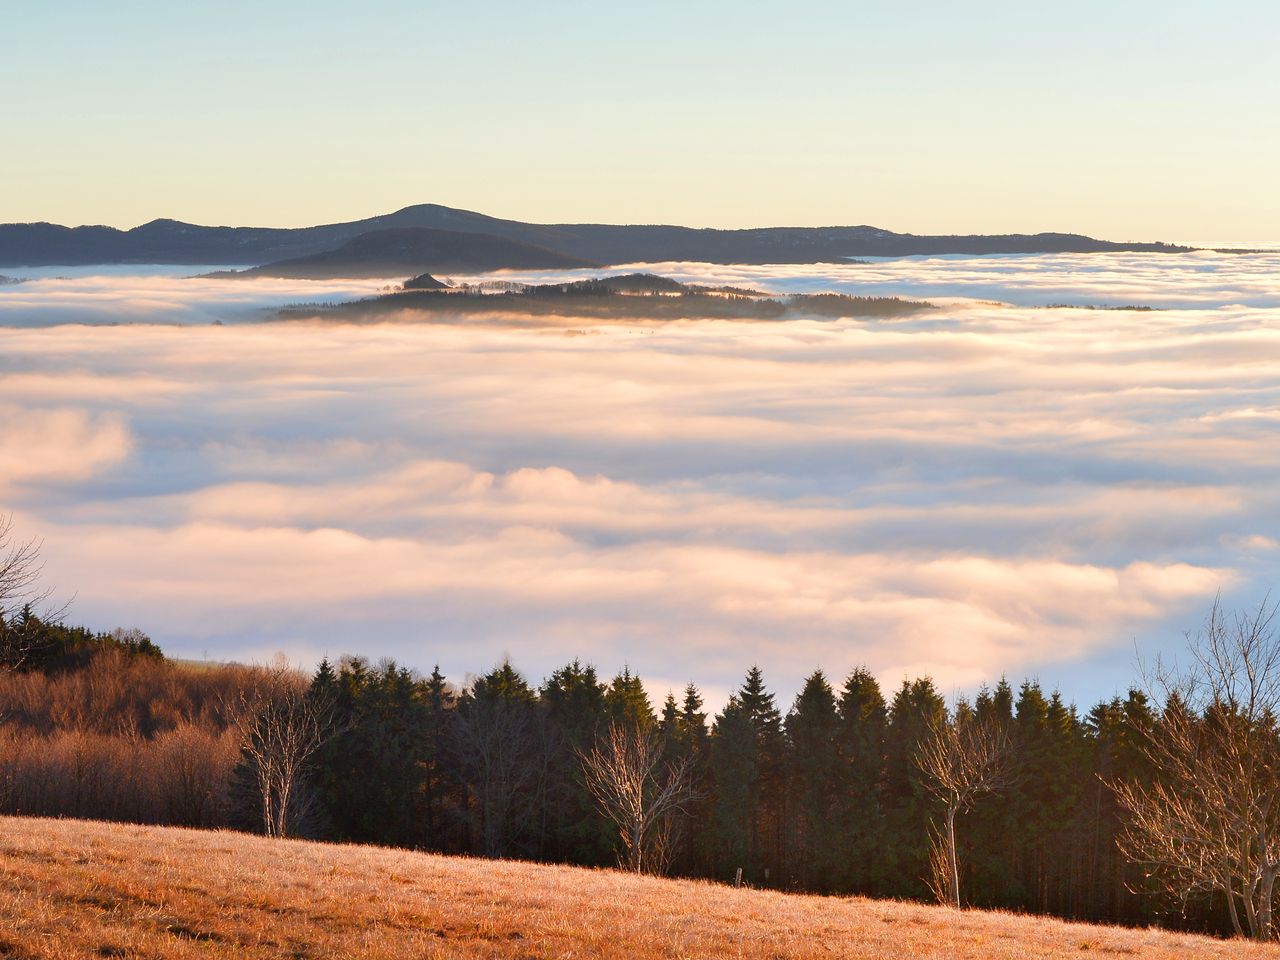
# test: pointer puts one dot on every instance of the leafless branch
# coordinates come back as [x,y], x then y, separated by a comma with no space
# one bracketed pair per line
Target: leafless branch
[960,762]
[23,598]
[1209,818]
[281,726]
[622,771]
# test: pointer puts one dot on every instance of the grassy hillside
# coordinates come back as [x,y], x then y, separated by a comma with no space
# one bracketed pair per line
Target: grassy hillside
[80,889]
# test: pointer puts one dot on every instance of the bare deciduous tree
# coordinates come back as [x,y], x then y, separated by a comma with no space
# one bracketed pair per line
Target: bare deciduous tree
[960,761]
[281,725]
[642,796]
[1209,819]
[21,593]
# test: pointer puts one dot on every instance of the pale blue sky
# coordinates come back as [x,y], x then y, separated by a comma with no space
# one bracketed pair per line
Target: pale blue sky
[1126,119]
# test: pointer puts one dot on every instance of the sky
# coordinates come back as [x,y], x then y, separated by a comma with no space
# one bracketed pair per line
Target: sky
[991,488]
[1133,120]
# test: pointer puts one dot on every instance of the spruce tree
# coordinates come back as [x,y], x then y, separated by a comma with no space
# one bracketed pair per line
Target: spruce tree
[859,812]
[749,766]
[573,699]
[693,741]
[814,784]
[626,701]
[669,722]
[440,781]
[501,746]
[371,775]
[735,774]
[991,836]
[916,708]
[693,722]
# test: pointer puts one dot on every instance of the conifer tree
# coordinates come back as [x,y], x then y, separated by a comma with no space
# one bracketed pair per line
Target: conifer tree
[917,708]
[859,811]
[325,681]
[815,783]
[693,722]
[992,835]
[626,701]
[669,721]
[372,773]
[440,781]
[750,766]
[692,740]
[735,774]
[573,700]
[1034,761]
[501,755]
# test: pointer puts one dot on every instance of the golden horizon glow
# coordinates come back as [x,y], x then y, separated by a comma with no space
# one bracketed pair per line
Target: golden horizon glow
[1137,121]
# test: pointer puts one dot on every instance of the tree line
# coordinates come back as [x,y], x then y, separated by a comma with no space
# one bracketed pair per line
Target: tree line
[1156,806]
[829,796]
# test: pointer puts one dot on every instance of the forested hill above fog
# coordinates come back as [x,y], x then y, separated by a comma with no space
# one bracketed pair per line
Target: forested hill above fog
[171,241]
[633,296]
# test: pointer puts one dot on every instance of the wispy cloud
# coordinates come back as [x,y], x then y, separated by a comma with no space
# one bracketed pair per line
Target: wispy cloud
[45,448]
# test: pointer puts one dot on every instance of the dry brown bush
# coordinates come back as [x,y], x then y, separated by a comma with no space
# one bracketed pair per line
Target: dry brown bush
[120,694]
[129,739]
[179,777]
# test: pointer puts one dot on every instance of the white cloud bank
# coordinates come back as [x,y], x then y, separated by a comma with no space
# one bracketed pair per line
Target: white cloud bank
[1188,280]
[988,489]
[102,295]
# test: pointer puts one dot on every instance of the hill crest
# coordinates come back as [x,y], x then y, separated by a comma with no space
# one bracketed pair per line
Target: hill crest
[173,241]
[409,251]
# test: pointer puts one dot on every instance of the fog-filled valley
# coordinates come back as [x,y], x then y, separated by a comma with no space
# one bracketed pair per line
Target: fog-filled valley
[1008,484]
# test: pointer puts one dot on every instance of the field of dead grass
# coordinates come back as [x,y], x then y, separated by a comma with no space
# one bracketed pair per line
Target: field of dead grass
[81,889]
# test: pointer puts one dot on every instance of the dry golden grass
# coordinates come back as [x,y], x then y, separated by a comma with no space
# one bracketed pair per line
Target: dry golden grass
[79,889]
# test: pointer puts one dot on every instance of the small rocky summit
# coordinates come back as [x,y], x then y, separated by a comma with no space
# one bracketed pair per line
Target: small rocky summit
[424,281]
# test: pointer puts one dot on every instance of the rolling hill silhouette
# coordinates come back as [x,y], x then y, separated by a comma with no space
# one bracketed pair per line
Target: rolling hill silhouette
[171,241]
[410,251]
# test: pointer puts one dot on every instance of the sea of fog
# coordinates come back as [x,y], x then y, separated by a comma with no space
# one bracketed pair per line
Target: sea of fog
[996,487]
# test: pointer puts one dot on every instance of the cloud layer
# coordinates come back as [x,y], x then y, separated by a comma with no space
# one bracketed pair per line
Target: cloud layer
[48,296]
[988,489]
[1192,281]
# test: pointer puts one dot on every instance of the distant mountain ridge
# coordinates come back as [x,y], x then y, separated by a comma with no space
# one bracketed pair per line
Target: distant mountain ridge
[174,242]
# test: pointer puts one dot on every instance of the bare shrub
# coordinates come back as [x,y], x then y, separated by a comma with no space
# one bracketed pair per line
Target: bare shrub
[114,693]
[190,768]
[123,738]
